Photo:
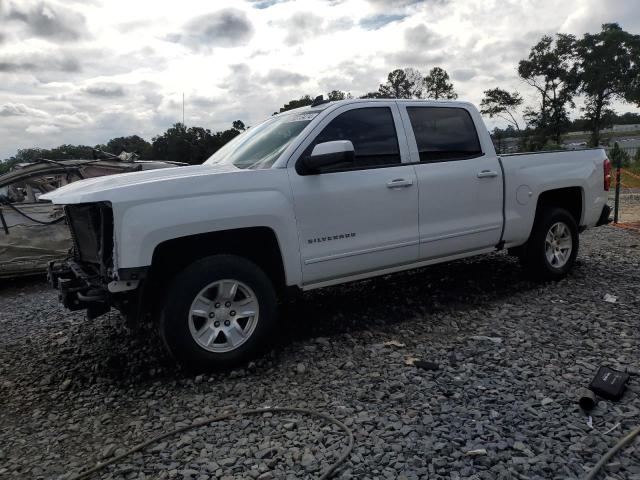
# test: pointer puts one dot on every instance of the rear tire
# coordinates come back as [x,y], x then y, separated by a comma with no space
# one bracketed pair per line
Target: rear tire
[550,253]
[219,312]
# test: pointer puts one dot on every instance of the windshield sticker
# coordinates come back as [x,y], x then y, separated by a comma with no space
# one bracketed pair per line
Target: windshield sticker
[301,117]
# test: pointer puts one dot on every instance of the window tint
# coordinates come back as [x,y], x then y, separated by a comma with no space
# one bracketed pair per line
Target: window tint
[444,133]
[372,132]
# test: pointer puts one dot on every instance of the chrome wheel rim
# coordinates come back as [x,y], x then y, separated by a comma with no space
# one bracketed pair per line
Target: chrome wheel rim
[223,315]
[558,245]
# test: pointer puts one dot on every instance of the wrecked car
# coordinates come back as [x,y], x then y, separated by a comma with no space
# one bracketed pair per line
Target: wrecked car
[34,232]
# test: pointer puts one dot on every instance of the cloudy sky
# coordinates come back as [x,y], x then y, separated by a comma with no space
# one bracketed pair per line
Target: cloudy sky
[88,70]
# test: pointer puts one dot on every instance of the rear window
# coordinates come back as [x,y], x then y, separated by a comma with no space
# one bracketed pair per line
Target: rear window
[444,134]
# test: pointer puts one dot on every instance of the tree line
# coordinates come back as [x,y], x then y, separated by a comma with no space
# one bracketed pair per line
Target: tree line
[601,68]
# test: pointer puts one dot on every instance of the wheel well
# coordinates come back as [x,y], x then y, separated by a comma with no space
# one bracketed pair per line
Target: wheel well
[569,198]
[258,244]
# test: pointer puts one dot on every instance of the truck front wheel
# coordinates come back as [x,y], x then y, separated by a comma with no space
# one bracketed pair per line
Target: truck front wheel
[218,312]
[551,250]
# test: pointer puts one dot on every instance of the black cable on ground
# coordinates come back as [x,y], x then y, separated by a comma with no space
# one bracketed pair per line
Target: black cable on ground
[607,456]
[258,411]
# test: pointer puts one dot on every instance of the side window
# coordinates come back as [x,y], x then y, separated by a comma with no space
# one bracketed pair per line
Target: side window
[372,132]
[444,133]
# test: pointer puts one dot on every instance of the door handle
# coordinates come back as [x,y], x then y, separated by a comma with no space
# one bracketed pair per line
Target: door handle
[399,183]
[487,174]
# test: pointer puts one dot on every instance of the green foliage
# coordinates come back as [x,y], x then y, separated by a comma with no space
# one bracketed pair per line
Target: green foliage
[551,69]
[191,145]
[500,103]
[398,85]
[437,85]
[301,102]
[239,125]
[608,70]
[636,157]
[618,156]
[131,144]
[335,95]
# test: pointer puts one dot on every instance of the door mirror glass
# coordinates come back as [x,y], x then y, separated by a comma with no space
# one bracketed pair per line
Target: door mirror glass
[335,154]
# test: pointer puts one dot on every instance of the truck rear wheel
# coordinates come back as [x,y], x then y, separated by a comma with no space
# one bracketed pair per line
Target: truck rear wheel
[551,250]
[219,312]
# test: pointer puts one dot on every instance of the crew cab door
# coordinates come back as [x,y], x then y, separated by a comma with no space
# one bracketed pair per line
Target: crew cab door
[361,218]
[460,182]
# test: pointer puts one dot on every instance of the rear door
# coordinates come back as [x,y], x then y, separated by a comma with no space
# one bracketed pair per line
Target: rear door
[460,185]
[364,218]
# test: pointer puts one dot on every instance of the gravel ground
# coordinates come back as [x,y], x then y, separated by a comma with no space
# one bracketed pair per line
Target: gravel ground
[511,354]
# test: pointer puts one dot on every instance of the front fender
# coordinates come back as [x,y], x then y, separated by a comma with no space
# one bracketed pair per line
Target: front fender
[141,228]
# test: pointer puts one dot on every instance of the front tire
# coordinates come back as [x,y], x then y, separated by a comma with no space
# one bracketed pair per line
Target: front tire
[219,312]
[550,253]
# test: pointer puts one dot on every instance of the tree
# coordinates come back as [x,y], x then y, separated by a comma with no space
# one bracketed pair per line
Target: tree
[551,70]
[334,95]
[608,69]
[616,154]
[191,145]
[398,85]
[239,125]
[375,94]
[500,103]
[437,85]
[130,144]
[301,102]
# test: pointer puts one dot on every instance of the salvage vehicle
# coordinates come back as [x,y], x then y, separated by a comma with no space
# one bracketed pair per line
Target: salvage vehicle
[312,197]
[33,232]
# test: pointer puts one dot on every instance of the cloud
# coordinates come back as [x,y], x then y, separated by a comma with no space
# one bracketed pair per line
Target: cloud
[375,22]
[39,62]
[105,90]
[20,110]
[229,27]
[49,21]
[44,129]
[262,4]
[283,78]
[302,26]
[463,74]
[421,37]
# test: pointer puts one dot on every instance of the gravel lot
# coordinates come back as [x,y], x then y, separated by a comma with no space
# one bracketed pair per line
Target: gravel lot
[501,406]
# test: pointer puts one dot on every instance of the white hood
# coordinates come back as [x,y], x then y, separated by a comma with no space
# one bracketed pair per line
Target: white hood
[106,188]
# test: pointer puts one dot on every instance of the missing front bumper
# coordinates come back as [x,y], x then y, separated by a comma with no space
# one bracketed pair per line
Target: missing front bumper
[75,291]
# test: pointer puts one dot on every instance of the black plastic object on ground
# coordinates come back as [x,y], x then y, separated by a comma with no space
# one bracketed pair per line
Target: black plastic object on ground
[609,383]
[586,399]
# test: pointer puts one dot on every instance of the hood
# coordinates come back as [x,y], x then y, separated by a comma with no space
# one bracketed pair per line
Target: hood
[109,188]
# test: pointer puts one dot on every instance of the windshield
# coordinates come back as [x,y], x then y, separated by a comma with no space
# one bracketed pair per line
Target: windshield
[260,146]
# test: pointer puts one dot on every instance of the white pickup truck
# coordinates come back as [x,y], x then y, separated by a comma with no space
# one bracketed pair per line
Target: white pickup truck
[313,197]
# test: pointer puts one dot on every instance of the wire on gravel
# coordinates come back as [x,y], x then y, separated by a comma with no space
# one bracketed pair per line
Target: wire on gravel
[325,476]
[607,456]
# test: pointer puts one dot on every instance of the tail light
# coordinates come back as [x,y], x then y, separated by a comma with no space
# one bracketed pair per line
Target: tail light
[606,165]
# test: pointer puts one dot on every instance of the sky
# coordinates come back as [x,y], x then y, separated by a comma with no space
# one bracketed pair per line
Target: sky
[85,71]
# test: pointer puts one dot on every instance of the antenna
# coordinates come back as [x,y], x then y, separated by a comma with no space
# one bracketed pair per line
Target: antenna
[182,108]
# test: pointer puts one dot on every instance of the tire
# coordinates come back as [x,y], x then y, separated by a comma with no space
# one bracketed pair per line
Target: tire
[550,253]
[222,333]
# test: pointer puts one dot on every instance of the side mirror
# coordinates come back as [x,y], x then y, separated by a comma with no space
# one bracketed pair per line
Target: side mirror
[329,154]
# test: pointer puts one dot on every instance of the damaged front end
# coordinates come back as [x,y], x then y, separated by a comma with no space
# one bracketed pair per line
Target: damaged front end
[87,280]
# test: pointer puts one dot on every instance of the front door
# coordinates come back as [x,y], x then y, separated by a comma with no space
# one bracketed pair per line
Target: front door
[364,218]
